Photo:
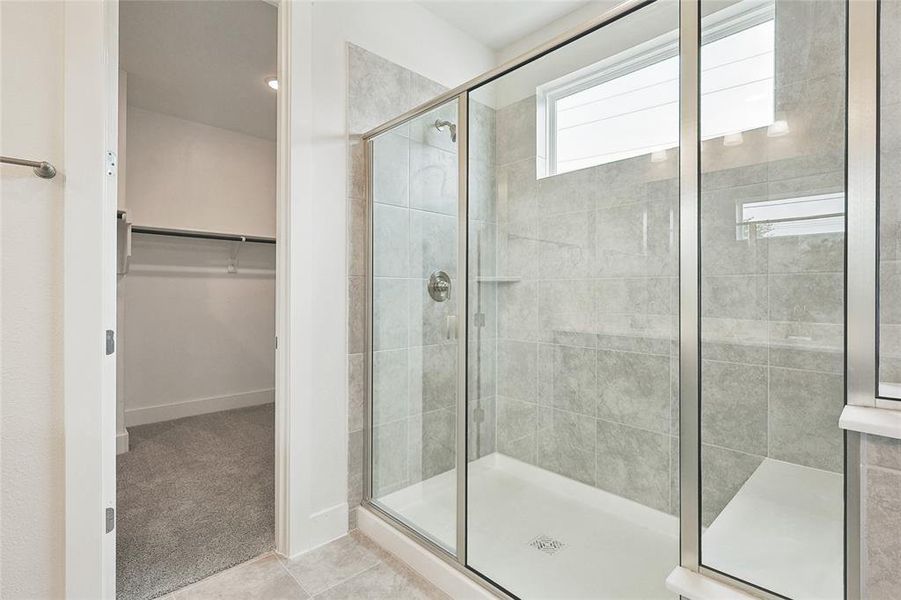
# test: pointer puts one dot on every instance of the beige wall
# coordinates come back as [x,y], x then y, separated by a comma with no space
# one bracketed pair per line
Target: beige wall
[31,415]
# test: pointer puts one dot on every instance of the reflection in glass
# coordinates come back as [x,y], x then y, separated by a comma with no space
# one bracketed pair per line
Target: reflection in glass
[772,277]
[414,350]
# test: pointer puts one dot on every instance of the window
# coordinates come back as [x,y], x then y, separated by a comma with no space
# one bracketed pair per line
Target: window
[628,105]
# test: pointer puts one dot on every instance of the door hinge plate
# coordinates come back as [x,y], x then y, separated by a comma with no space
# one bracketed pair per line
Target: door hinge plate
[110,518]
[111,163]
[110,341]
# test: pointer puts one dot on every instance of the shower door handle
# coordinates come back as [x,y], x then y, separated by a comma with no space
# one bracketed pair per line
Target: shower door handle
[451,322]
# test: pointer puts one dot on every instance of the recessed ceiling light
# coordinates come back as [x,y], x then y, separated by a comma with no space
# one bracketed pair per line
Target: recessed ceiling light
[272,82]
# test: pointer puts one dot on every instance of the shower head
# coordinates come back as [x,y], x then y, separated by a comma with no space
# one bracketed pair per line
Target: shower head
[440,125]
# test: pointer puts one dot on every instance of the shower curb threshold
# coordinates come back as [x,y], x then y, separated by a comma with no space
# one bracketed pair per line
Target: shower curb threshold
[695,586]
[446,577]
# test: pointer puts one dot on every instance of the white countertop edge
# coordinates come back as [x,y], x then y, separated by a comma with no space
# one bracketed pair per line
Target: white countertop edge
[872,420]
[695,586]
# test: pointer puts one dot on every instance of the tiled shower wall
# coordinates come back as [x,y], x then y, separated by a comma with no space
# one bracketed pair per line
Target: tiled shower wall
[890,194]
[415,233]
[881,499]
[587,323]
[587,361]
[772,307]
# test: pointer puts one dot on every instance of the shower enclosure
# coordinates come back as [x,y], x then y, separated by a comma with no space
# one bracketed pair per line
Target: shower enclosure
[607,309]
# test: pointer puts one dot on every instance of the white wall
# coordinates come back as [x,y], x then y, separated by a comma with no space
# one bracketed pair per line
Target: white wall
[411,36]
[187,175]
[31,409]
[194,338]
[560,26]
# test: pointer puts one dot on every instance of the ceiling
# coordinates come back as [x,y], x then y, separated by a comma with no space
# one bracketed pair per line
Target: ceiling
[499,23]
[202,61]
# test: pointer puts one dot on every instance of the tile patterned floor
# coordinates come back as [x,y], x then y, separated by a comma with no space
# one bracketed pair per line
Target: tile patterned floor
[352,567]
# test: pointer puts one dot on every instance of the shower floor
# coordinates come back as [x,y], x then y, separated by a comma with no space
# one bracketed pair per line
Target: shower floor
[542,535]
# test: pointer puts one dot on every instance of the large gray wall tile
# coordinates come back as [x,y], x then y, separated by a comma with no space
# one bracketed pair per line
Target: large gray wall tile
[634,463]
[389,313]
[567,444]
[516,131]
[634,389]
[882,539]
[433,244]
[391,169]
[434,175]
[517,369]
[389,457]
[378,90]
[433,377]
[356,392]
[389,385]
[804,410]
[817,297]
[573,384]
[883,452]
[391,241]
[438,441]
[734,406]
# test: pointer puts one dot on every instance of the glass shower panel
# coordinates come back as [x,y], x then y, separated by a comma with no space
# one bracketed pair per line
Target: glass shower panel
[772,227]
[890,200]
[415,205]
[573,314]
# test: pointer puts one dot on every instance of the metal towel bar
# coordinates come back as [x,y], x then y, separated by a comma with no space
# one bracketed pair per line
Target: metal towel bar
[41,168]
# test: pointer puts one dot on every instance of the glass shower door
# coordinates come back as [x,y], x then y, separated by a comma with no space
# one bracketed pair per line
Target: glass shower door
[772,267]
[573,248]
[414,329]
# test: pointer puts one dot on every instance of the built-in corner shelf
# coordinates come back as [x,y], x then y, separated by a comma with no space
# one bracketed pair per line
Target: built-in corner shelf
[498,279]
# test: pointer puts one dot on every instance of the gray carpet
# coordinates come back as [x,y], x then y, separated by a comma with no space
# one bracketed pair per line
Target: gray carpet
[195,496]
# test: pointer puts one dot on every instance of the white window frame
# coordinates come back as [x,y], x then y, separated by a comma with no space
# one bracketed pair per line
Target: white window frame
[723,23]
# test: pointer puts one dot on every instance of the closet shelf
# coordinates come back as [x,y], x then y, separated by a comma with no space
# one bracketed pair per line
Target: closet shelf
[204,235]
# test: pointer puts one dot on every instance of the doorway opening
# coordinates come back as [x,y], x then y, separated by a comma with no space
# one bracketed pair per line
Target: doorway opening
[196,224]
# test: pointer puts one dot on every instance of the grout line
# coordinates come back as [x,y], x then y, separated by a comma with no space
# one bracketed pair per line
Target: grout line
[282,560]
[346,579]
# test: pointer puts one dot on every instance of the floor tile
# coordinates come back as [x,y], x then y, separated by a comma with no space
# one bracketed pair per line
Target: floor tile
[334,563]
[389,580]
[264,578]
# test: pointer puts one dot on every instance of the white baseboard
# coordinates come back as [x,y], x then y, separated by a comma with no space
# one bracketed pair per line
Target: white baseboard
[445,577]
[199,406]
[122,442]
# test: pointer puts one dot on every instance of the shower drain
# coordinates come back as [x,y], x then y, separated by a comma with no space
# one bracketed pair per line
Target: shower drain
[547,544]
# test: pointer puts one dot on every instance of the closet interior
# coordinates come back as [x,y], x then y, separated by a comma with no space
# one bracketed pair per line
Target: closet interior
[196,290]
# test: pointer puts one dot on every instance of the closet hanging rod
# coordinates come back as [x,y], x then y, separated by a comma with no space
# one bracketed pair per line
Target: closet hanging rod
[202,235]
